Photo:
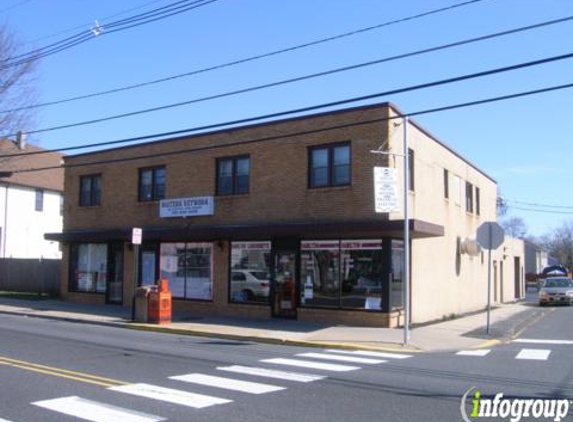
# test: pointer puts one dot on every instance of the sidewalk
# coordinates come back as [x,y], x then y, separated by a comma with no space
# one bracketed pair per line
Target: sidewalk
[457,334]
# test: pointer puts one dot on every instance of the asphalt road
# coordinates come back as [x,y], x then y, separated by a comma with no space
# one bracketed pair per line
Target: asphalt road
[60,371]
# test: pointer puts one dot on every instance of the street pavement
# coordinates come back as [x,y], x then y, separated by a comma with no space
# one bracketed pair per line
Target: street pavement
[466,332]
[55,369]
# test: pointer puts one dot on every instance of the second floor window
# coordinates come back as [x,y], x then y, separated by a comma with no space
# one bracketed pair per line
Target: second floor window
[469,197]
[39,206]
[90,190]
[329,165]
[151,184]
[233,175]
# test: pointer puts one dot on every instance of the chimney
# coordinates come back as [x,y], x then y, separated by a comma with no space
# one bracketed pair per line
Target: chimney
[21,140]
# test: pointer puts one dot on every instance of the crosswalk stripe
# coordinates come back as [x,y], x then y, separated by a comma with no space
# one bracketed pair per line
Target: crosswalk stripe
[93,411]
[185,398]
[228,383]
[271,373]
[540,341]
[312,365]
[478,352]
[370,354]
[350,359]
[533,354]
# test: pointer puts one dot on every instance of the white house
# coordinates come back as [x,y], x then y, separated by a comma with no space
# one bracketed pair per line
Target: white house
[30,203]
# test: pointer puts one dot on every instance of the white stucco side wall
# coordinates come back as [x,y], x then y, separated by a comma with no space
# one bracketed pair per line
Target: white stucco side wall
[23,227]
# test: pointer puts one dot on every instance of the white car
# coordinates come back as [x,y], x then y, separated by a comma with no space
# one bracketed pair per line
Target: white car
[249,284]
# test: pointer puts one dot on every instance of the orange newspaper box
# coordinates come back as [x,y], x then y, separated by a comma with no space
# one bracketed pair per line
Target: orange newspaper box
[159,304]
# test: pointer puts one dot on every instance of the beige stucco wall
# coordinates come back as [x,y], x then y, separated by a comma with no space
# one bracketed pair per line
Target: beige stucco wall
[444,281]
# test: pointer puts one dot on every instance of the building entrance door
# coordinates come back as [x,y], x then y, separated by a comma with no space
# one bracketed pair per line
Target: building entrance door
[114,285]
[284,284]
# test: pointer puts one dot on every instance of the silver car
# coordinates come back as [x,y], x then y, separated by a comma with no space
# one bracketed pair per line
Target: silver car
[556,290]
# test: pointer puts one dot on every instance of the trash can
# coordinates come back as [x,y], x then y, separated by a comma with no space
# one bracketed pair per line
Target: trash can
[159,304]
[141,303]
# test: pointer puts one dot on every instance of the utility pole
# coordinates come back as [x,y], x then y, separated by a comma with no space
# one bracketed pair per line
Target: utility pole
[406,282]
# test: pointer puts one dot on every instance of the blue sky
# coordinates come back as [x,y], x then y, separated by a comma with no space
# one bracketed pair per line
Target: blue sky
[525,144]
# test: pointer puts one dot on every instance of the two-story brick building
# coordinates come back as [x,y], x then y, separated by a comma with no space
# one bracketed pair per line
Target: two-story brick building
[278,219]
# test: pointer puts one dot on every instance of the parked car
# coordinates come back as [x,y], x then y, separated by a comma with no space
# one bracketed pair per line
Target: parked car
[556,290]
[249,284]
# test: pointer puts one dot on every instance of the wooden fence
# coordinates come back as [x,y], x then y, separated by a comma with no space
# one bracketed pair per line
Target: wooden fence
[30,275]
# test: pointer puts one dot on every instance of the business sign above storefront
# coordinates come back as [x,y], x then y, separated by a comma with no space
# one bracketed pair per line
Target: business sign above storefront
[187,207]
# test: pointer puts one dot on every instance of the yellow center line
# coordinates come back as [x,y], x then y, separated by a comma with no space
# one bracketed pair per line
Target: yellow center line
[63,373]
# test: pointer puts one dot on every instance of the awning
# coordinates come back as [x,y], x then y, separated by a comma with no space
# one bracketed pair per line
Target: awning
[257,231]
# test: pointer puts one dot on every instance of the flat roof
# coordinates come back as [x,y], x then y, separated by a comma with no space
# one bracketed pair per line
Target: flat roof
[238,127]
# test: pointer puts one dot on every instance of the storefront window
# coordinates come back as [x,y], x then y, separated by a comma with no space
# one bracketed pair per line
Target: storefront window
[89,267]
[320,273]
[397,271]
[362,274]
[250,272]
[187,267]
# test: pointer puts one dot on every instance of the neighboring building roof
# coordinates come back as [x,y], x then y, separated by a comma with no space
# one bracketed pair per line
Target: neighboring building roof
[45,179]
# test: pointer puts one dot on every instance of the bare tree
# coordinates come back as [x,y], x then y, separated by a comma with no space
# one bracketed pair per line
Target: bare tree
[17,85]
[559,243]
[514,227]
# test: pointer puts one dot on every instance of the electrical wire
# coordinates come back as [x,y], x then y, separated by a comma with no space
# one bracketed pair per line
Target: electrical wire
[541,211]
[302,78]
[249,59]
[533,204]
[270,138]
[121,25]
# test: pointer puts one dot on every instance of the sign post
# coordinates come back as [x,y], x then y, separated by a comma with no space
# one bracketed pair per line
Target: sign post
[136,235]
[490,235]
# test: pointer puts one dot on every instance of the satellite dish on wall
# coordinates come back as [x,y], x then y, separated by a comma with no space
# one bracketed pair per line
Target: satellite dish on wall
[470,247]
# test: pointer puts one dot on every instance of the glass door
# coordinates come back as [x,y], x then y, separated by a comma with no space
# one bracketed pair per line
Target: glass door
[284,284]
[148,266]
[114,287]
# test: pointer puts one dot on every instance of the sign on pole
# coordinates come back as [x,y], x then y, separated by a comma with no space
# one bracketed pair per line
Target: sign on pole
[136,234]
[490,235]
[385,189]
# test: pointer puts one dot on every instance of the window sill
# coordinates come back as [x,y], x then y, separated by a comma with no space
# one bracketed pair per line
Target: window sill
[329,188]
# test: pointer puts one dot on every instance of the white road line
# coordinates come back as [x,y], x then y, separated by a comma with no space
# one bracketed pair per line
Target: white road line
[4,420]
[94,411]
[540,341]
[351,359]
[370,354]
[270,373]
[533,354]
[228,383]
[197,401]
[480,352]
[312,365]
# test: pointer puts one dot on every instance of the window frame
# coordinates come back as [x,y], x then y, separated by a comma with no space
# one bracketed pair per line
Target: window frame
[154,191]
[94,200]
[477,201]
[446,184]
[411,172]
[469,197]
[234,175]
[39,199]
[330,165]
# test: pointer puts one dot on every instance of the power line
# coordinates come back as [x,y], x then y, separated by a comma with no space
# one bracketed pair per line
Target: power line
[75,28]
[282,135]
[542,211]
[121,25]
[253,58]
[287,81]
[533,204]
